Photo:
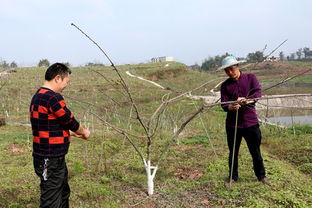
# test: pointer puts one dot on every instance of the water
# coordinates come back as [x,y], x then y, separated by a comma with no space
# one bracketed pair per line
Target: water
[287,117]
[291,120]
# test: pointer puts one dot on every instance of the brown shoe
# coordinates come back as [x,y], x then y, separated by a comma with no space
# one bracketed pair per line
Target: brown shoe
[265,181]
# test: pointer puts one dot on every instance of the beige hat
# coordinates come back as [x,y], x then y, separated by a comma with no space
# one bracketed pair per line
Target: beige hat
[230,61]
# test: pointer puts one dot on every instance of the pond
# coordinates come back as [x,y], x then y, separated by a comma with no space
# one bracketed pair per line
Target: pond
[287,117]
[291,120]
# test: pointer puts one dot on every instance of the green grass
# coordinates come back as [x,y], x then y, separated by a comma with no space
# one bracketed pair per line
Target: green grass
[287,190]
[292,144]
[106,171]
[301,63]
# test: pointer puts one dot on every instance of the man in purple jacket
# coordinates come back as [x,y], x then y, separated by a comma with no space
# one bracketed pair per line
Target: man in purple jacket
[242,88]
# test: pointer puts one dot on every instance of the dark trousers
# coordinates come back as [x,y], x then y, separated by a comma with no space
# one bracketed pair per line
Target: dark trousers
[54,186]
[252,135]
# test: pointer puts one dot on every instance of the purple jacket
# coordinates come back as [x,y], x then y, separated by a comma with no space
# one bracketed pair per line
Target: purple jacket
[246,86]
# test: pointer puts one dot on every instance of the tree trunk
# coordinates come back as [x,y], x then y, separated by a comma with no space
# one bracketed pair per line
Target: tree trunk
[150,172]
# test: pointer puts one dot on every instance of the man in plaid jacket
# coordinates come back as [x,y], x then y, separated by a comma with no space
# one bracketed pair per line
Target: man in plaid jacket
[52,124]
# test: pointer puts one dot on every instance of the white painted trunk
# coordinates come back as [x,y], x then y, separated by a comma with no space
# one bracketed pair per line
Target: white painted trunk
[150,173]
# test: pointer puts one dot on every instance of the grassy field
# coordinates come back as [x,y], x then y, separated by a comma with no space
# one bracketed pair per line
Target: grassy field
[105,171]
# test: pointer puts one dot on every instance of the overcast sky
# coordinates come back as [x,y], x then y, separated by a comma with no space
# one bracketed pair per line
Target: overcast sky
[133,31]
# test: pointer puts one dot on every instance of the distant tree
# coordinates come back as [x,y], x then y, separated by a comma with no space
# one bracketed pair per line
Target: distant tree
[195,66]
[4,64]
[94,64]
[213,62]
[282,56]
[255,57]
[44,62]
[66,64]
[292,57]
[218,60]
[13,64]
[208,64]
[306,52]
[299,53]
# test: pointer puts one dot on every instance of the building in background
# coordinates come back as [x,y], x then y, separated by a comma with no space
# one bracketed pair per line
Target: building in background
[162,59]
[272,58]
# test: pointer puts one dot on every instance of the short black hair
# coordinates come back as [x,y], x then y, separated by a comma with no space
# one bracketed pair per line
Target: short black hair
[56,69]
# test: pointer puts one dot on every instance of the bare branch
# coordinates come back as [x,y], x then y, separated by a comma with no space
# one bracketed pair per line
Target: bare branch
[3,85]
[123,83]
[116,83]
[91,104]
[119,130]
[165,103]
[255,99]
[176,134]
[134,146]
[190,91]
[275,49]
[256,64]
[206,131]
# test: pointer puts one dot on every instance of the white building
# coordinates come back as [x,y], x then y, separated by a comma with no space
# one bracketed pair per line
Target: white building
[272,58]
[162,59]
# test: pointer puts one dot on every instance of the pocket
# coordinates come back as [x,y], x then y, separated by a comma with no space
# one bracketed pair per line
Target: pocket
[53,164]
[38,166]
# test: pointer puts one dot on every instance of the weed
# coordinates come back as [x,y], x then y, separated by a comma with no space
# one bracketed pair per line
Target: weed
[78,167]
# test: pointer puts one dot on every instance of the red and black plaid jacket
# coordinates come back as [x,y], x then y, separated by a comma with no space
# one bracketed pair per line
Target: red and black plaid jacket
[51,121]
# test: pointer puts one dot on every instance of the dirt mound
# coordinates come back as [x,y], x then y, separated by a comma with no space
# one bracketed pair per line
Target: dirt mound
[188,173]
[15,148]
[199,197]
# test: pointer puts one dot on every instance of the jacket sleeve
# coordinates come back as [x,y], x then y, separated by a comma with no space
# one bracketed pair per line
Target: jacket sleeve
[59,109]
[224,98]
[255,88]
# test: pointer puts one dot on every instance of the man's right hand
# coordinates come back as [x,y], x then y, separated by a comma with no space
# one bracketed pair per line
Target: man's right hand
[233,107]
[85,134]
[82,133]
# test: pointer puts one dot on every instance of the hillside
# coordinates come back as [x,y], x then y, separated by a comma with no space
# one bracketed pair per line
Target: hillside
[106,171]
[270,73]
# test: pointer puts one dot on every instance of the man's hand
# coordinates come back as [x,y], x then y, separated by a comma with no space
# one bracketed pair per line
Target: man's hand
[85,134]
[74,134]
[242,100]
[233,107]
[81,133]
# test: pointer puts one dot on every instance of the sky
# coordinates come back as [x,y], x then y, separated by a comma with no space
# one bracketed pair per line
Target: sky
[134,31]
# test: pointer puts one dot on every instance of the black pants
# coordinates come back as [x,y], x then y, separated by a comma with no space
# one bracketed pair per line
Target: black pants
[54,181]
[252,135]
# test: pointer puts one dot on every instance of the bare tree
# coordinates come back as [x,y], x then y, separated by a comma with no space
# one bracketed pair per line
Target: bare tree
[147,128]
